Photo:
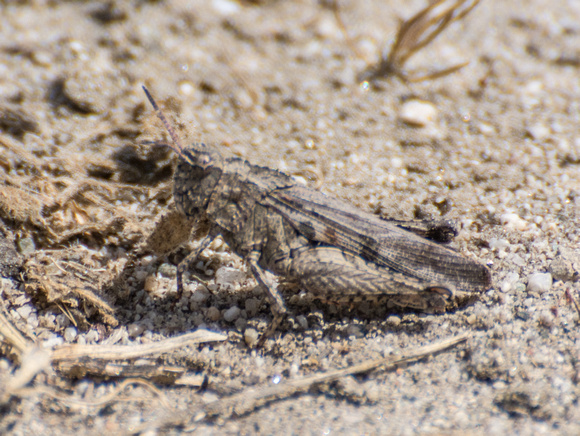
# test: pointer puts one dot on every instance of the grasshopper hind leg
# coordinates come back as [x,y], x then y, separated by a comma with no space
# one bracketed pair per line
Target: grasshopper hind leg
[335,276]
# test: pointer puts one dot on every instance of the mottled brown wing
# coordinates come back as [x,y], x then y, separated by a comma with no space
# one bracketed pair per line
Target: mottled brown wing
[330,221]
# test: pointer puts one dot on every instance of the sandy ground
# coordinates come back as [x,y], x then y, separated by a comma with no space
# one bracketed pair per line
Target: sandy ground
[276,82]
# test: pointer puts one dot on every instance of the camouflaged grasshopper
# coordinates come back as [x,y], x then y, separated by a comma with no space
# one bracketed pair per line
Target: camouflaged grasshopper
[325,246]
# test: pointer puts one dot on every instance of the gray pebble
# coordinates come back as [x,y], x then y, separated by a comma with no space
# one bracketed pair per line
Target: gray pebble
[563,269]
[135,329]
[241,324]
[354,330]
[26,246]
[200,295]
[302,322]
[227,276]
[231,314]
[252,305]
[213,314]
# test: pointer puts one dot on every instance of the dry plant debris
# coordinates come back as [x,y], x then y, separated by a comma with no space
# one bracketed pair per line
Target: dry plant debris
[415,34]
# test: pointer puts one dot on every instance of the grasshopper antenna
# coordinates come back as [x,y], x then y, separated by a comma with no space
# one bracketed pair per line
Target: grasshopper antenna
[178,147]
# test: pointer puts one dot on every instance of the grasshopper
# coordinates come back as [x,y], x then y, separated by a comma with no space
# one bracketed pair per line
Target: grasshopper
[325,246]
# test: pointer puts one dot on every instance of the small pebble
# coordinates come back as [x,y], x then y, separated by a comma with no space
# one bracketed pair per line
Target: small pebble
[53,341]
[394,320]
[252,305]
[141,275]
[538,132]
[24,311]
[509,282]
[251,337]
[232,314]
[302,322]
[92,336]
[89,91]
[26,246]
[562,269]
[354,330]
[70,333]
[513,221]
[200,295]
[498,244]
[167,270]
[418,113]
[213,314]
[228,277]
[241,324]
[225,7]
[150,284]
[539,282]
[135,329]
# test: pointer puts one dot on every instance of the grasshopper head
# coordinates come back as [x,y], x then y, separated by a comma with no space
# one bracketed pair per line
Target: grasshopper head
[198,172]
[202,156]
[196,177]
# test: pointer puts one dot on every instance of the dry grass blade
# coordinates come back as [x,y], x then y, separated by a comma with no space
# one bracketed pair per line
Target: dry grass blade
[250,399]
[417,32]
[72,353]
[12,336]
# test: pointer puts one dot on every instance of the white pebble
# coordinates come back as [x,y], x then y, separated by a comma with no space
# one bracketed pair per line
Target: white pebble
[418,113]
[24,311]
[232,314]
[539,282]
[513,221]
[53,341]
[70,333]
[251,336]
[538,132]
[509,282]
[92,336]
[200,295]
[225,7]
[227,276]
[498,244]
